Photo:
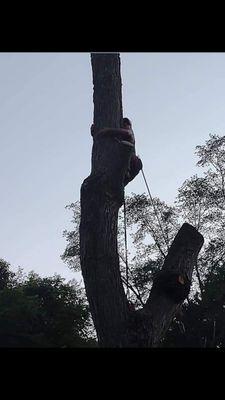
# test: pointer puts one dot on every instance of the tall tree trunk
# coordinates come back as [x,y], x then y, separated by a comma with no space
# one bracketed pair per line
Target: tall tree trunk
[102,194]
[101,197]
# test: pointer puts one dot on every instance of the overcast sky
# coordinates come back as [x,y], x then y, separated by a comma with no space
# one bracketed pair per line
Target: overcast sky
[173,99]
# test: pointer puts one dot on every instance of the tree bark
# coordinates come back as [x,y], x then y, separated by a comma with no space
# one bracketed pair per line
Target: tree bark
[107,94]
[102,194]
[172,284]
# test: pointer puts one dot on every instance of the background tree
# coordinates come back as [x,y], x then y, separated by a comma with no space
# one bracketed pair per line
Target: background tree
[42,312]
[203,319]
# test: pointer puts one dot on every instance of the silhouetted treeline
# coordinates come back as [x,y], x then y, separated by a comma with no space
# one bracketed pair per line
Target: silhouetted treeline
[42,312]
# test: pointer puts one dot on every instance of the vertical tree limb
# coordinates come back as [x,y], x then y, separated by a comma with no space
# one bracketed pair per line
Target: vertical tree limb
[102,193]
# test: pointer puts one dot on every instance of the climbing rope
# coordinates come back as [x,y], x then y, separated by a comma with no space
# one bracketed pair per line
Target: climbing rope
[126,249]
[154,208]
[125,231]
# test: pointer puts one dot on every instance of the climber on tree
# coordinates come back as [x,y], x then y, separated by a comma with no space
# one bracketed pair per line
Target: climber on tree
[124,134]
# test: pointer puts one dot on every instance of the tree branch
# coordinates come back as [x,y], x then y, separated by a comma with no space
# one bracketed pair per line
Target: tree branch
[172,284]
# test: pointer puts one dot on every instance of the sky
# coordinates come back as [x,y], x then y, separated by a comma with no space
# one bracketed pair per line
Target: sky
[175,100]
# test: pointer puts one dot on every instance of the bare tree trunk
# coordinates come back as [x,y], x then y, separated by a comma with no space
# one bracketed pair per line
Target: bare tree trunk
[102,194]
[107,90]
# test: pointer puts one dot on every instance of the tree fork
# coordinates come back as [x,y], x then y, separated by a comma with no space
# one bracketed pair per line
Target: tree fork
[102,194]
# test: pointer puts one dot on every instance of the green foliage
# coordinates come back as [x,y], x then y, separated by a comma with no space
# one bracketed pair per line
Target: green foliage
[71,254]
[203,201]
[42,312]
[6,276]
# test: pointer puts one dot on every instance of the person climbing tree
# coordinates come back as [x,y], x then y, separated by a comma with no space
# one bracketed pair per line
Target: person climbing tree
[124,135]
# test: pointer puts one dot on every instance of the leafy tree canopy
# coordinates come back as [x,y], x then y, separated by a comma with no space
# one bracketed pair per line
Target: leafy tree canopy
[42,312]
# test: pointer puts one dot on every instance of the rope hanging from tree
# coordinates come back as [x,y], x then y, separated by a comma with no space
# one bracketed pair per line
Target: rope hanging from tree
[126,248]
[154,208]
[125,231]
